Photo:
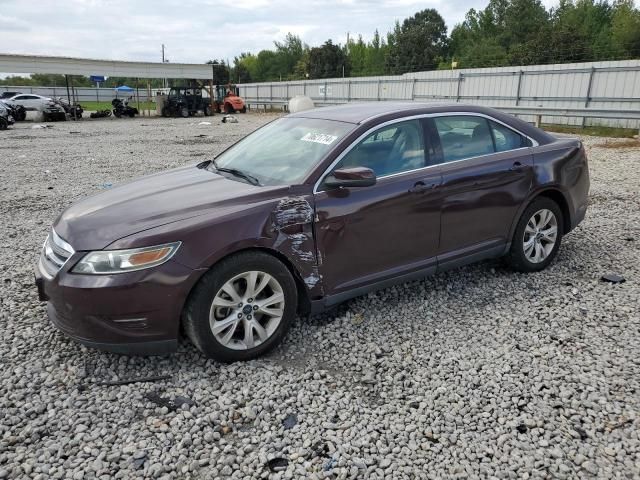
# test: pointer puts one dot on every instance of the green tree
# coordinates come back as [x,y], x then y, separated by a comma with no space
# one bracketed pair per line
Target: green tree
[418,44]
[625,29]
[219,72]
[328,61]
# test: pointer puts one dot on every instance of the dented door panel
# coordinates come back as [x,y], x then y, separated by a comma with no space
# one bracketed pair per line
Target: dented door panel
[365,235]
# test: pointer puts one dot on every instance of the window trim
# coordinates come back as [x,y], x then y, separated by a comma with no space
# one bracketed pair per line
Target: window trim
[353,144]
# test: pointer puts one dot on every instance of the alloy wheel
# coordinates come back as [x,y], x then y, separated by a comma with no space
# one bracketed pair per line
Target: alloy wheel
[540,236]
[247,310]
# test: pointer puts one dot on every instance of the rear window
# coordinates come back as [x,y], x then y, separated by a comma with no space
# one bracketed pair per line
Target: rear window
[468,136]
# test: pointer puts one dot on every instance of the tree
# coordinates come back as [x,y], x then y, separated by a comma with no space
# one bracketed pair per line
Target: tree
[328,61]
[219,72]
[625,29]
[418,44]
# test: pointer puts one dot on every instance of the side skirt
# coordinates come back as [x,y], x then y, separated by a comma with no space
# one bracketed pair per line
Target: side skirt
[329,301]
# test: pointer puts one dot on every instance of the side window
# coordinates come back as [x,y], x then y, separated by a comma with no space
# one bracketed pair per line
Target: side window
[392,149]
[464,136]
[507,139]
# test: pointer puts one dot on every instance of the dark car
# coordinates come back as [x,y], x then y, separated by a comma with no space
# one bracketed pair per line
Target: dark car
[5,95]
[306,212]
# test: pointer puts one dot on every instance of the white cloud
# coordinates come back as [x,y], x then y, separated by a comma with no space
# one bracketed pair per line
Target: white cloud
[195,31]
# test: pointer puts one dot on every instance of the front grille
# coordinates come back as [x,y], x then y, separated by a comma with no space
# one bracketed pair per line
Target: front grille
[55,254]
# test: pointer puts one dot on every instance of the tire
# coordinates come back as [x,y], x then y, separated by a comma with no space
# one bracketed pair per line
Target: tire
[244,109]
[3,124]
[229,272]
[116,113]
[531,249]
[164,112]
[228,108]
[206,110]
[184,112]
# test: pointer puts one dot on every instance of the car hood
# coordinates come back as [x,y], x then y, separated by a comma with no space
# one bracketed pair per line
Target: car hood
[152,201]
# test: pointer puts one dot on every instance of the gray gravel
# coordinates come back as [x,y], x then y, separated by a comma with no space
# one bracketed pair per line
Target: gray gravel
[476,373]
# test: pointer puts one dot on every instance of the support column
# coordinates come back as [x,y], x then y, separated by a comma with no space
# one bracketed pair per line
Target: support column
[588,95]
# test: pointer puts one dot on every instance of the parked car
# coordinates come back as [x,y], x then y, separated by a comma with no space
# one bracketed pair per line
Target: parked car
[18,112]
[5,95]
[30,101]
[6,119]
[306,212]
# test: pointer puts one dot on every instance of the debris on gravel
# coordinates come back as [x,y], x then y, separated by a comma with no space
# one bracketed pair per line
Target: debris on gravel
[613,278]
[478,372]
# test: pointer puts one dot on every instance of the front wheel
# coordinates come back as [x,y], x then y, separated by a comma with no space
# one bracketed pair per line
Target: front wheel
[242,308]
[537,237]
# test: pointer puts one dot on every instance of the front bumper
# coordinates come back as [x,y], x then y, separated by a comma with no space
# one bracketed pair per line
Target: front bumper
[135,313]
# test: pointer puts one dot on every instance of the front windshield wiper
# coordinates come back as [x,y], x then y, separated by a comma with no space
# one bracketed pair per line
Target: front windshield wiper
[238,173]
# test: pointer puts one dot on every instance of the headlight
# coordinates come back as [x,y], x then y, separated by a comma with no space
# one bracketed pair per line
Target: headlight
[103,262]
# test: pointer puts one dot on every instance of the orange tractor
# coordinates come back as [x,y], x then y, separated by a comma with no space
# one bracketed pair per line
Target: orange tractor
[227,100]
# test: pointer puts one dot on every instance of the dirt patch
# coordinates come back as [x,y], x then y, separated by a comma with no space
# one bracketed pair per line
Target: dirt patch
[628,143]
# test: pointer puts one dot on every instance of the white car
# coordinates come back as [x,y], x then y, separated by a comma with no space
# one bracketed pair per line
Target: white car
[31,101]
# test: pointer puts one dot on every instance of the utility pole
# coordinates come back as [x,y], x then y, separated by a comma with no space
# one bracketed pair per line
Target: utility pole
[164,80]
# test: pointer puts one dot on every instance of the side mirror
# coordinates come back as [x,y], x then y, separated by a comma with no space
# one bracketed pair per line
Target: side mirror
[351,177]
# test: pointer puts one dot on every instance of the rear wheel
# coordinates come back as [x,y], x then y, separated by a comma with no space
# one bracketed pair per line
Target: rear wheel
[537,237]
[241,308]
[184,112]
[3,123]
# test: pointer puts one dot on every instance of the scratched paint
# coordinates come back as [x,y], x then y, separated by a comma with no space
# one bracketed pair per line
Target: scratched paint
[298,241]
[292,222]
[293,211]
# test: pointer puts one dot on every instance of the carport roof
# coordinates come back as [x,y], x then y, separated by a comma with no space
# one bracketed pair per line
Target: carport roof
[10,63]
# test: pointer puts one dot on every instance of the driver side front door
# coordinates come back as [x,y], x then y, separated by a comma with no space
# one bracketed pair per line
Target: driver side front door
[367,236]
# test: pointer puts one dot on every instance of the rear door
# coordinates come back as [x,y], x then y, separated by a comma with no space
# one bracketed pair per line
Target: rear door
[487,172]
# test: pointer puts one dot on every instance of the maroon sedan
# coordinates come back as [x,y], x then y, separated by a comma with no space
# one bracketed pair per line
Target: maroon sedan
[306,212]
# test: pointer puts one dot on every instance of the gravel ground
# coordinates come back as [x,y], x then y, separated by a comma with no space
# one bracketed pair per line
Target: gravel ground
[476,373]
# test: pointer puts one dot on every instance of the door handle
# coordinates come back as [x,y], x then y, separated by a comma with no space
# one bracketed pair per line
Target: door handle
[518,167]
[421,187]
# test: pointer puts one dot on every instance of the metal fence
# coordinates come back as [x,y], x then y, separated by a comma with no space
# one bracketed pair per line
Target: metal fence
[83,94]
[595,93]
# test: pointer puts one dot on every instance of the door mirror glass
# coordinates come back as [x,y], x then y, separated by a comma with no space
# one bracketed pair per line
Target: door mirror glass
[351,177]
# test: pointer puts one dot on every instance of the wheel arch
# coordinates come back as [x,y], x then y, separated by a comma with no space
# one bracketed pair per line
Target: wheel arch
[558,197]
[304,300]
[552,193]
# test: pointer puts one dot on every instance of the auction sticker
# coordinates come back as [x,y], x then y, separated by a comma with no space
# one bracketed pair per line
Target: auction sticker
[322,138]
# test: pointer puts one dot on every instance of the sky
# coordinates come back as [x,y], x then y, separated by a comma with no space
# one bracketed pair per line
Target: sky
[195,31]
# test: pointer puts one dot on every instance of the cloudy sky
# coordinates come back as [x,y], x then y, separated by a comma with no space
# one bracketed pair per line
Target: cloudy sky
[196,30]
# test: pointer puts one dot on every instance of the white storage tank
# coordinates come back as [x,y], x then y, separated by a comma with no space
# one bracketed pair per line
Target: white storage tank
[300,103]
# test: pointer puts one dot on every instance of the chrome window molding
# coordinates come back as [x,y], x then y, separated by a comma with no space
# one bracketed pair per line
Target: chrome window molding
[329,169]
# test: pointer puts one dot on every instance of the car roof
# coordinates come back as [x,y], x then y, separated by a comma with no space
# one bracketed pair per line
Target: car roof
[360,113]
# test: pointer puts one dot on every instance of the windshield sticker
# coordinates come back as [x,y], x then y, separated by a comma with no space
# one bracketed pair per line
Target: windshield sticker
[319,138]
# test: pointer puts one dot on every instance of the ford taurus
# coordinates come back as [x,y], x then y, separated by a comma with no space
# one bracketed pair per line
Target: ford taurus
[306,212]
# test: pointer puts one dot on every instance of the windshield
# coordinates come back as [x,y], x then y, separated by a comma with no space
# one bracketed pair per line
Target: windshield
[284,151]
